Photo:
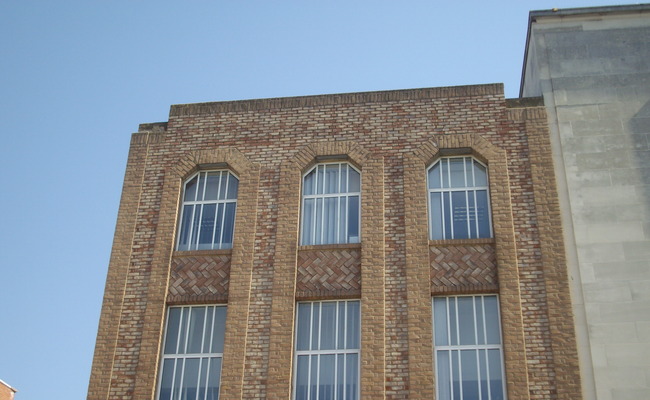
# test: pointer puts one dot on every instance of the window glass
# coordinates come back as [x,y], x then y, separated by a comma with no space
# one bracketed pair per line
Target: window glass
[189,368]
[458,199]
[208,213]
[468,366]
[330,204]
[327,350]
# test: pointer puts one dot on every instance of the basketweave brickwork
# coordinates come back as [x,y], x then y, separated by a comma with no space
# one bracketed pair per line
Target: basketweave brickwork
[391,137]
[199,279]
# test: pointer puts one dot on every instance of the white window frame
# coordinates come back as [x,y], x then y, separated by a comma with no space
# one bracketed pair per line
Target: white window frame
[199,205]
[474,347]
[304,238]
[185,356]
[469,190]
[317,352]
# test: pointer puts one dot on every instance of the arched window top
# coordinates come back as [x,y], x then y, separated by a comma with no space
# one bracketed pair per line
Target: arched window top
[457,172]
[459,201]
[208,213]
[331,204]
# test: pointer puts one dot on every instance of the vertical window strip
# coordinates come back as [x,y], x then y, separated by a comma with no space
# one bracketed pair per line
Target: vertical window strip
[181,385]
[481,352]
[336,224]
[447,203]
[193,226]
[315,355]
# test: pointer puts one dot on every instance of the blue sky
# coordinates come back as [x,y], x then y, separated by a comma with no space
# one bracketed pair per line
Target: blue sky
[77,77]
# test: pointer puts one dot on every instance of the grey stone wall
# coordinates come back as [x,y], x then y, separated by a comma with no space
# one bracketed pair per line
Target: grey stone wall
[593,70]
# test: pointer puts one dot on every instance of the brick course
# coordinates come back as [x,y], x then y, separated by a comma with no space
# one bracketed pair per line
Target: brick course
[391,137]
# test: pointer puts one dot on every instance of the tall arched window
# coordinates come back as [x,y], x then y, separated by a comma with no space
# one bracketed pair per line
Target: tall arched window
[459,205]
[208,213]
[331,204]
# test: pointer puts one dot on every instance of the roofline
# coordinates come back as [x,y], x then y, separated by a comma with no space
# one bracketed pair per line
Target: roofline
[534,15]
[8,385]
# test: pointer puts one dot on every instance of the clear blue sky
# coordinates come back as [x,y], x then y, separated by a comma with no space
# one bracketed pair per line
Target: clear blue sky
[77,77]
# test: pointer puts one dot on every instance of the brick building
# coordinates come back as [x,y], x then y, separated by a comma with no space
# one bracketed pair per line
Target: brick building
[398,244]
[6,391]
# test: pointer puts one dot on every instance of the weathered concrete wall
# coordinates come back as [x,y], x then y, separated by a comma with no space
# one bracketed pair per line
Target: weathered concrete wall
[593,69]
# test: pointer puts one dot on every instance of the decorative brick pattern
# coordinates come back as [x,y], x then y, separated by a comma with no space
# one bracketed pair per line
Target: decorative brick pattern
[463,269]
[199,279]
[328,273]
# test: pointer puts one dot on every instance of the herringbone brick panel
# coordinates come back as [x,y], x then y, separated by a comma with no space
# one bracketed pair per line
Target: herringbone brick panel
[463,268]
[328,273]
[199,279]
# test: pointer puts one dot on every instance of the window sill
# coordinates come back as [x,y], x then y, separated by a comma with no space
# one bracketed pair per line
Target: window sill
[331,246]
[455,242]
[185,253]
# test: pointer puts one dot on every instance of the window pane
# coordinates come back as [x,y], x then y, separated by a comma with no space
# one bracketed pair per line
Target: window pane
[470,374]
[190,189]
[352,334]
[466,320]
[207,226]
[328,323]
[302,378]
[183,241]
[482,362]
[304,322]
[353,219]
[444,165]
[195,337]
[223,182]
[492,320]
[344,178]
[166,380]
[196,219]
[444,375]
[319,222]
[342,219]
[480,327]
[219,225]
[307,217]
[440,321]
[331,178]
[452,321]
[313,379]
[213,186]
[171,338]
[182,341]
[446,206]
[330,218]
[340,376]
[320,178]
[342,327]
[315,326]
[483,214]
[233,187]
[460,215]
[468,171]
[354,181]
[203,377]
[434,177]
[207,333]
[457,172]
[214,378]
[190,379]
[473,232]
[496,375]
[435,208]
[219,329]
[352,376]
[326,381]
[480,174]
[309,183]
[228,225]
[178,377]
[455,375]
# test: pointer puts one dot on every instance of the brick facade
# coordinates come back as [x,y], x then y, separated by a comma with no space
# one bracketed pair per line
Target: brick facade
[391,137]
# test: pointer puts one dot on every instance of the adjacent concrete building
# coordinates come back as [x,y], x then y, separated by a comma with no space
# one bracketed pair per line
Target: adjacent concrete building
[592,66]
